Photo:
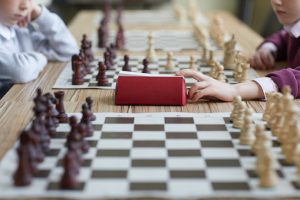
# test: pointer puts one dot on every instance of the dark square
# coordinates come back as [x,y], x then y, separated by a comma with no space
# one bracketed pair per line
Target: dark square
[116,135]
[92,143]
[97,127]
[56,186]
[113,153]
[228,186]
[153,127]
[235,135]
[149,143]
[52,153]
[109,174]
[177,120]
[85,163]
[60,135]
[42,173]
[223,163]
[96,85]
[135,186]
[211,127]
[227,120]
[119,120]
[216,144]
[184,153]
[245,153]
[181,135]
[148,163]
[283,163]
[190,174]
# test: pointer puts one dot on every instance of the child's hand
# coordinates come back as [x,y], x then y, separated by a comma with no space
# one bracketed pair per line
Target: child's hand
[263,59]
[34,11]
[207,87]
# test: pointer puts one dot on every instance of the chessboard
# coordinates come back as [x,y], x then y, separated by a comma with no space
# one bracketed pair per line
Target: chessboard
[153,17]
[64,80]
[164,40]
[162,155]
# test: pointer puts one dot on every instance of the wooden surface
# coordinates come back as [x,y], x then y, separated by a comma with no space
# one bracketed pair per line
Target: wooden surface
[16,105]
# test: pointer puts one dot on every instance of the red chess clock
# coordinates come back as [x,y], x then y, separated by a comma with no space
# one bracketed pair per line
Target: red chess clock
[137,89]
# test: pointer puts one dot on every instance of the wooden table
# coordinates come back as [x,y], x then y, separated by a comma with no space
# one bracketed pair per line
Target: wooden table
[17,103]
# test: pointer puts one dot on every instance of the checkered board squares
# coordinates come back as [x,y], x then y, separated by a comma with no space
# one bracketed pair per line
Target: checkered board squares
[162,155]
[64,80]
[150,18]
[168,40]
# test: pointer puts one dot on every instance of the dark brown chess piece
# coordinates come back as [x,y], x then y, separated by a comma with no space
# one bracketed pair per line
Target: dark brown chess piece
[126,66]
[145,64]
[90,102]
[101,76]
[62,116]
[86,120]
[120,38]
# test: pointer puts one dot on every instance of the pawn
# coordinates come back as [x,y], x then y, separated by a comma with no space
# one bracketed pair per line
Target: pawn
[120,38]
[145,64]
[101,76]
[238,121]
[84,146]
[170,64]
[151,54]
[126,66]
[192,63]
[268,175]
[90,102]
[78,73]
[86,120]
[107,61]
[23,175]
[236,101]
[247,136]
[71,168]
[62,116]
[261,138]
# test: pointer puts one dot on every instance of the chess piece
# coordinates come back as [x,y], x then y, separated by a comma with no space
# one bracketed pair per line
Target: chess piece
[238,121]
[204,55]
[113,51]
[107,61]
[51,118]
[217,31]
[62,116]
[120,38]
[247,136]
[84,144]
[269,106]
[237,100]
[277,102]
[229,53]
[192,63]
[211,60]
[219,73]
[85,62]
[74,137]
[151,54]
[145,64]
[23,175]
[126,66]
[90,102]
[86,46]
[103,35]
[86,120]
[78,75]
[243,74]
[268,175]
[71,167]
[260,138]
[170,64]
[101,76]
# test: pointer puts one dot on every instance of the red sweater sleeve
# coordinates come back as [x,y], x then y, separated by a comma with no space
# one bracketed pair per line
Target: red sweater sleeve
[290,77]
[280,40]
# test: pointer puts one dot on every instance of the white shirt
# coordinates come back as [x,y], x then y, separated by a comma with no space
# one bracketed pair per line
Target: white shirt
[24,52]
[266,83]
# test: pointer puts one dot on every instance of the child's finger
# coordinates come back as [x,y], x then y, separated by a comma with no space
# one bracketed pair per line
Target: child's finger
[259,63]
[200,95]
[189,73]
[267,60]
[196,87]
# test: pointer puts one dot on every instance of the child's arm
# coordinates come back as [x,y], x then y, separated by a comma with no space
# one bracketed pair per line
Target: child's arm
[52,38]
[209,88]
[290,77]
[21,67]
[273,48]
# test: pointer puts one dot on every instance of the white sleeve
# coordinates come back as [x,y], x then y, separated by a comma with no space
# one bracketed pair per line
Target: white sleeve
[21,67]
[52,38]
